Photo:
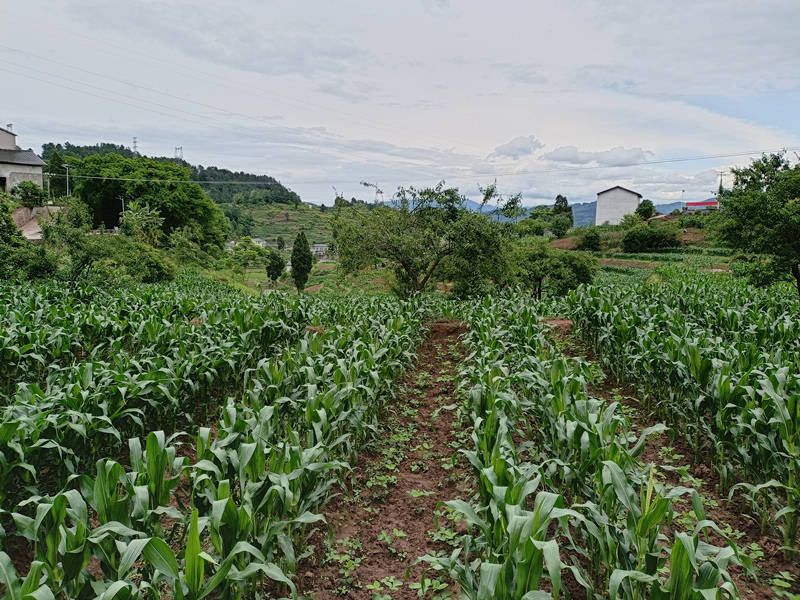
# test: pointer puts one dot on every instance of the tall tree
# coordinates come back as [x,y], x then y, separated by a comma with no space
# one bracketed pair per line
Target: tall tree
[57,175]
[761,213]
[646,209]
[562,207]
[275,265]
[301,261]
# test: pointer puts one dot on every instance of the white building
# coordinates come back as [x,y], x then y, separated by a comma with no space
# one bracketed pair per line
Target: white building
[319,250]
[17,165]
[614,203]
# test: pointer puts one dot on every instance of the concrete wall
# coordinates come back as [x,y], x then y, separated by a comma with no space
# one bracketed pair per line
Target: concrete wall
[613,205]
[7,141]
[16,174]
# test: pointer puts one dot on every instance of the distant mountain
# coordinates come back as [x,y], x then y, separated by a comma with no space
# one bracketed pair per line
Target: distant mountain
[583,214]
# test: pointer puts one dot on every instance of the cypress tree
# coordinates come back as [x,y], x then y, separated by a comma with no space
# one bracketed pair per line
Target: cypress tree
[301,261]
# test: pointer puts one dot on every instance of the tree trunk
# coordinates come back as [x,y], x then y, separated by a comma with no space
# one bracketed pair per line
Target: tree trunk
[796,273]
[421,285]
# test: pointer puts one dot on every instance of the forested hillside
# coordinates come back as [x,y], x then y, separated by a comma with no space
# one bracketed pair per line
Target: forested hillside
[213,180]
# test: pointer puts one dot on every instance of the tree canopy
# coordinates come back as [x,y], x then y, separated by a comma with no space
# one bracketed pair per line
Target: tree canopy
[108,181]
[761,213]
[427,235]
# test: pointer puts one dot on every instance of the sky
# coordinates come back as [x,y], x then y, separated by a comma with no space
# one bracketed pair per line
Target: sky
[544,98]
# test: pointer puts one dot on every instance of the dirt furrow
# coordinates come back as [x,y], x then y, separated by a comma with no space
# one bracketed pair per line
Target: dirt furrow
[388,516]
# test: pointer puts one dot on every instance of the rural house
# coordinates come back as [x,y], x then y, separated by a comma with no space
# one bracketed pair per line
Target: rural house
[17,165]
[614,203]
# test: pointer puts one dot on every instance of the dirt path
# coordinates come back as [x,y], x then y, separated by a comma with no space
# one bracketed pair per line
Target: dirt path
[677,466]
[388,517]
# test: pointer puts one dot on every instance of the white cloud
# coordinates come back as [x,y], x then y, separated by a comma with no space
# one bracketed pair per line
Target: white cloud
[523,145]
[617,156]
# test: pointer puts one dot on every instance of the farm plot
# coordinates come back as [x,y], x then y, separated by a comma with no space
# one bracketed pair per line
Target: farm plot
[223,512]
[185,441]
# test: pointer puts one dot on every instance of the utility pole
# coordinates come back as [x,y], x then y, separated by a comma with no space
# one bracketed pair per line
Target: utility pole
[179,152]
[66,166]
[135,147]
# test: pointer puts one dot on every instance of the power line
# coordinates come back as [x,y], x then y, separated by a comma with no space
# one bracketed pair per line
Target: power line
[317,107]
[532,172]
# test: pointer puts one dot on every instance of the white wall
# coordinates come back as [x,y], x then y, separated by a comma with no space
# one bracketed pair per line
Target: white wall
[613,205]
[7,141]
[16,174]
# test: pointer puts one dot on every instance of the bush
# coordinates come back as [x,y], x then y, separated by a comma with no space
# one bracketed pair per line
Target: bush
[560,225]
[692,220]
[540,268]
[29,194]
[590,240]
[630,221]
[648,239]
[758,269]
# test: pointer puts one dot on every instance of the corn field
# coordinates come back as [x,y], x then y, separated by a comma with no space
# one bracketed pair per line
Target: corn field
[718,361]
[183,440]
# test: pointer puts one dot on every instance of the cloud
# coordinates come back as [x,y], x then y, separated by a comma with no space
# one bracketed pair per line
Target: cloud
[523,145]
[617,156]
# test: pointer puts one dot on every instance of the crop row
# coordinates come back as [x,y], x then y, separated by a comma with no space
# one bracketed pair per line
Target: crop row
[560,486]
[226,512]
[718,361]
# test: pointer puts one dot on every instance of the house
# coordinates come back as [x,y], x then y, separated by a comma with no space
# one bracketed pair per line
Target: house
[319,250]
[614,203]
[17,165]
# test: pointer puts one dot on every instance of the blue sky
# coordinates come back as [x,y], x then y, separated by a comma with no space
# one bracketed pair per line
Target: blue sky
[545,98]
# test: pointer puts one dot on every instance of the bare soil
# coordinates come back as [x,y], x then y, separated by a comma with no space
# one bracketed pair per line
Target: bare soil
[635,264]
[418,434]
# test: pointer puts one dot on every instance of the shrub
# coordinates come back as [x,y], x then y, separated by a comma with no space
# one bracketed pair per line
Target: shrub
[560,225]
[590,240]
[29,194]
[648,239]
[692,220]
[630,221]
[759,270]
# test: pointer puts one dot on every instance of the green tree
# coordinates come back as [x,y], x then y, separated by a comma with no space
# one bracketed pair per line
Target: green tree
[280,243]
[414,233]
[761,213]
[142,222]
[57,174]
[275,265]
[646,209]
[760,174]
[479,260]
[164,186]
[29,194]
[301,261]
[560,225]
[539,268]
[562,207]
